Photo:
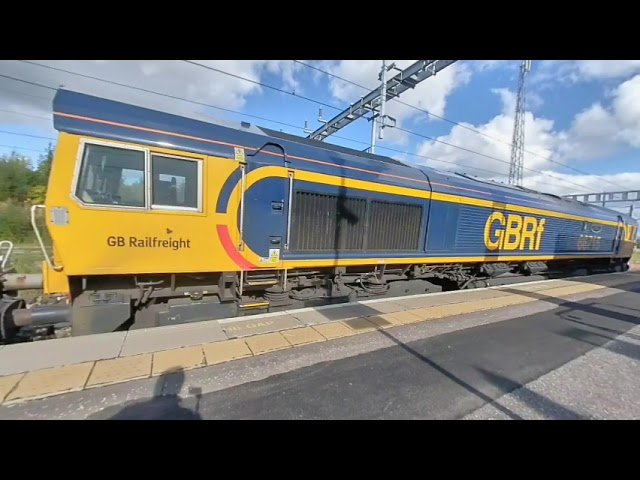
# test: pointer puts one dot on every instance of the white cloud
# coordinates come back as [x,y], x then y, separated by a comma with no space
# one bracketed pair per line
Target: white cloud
[482,65]
[547,72]
[290,72]
[492,65]
[626,110]
[602,130]
[493,141]
[604,69]
[171,77]
[430,95]
[595,133]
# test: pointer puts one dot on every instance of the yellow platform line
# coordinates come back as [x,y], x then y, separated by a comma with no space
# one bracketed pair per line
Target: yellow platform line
[69,378]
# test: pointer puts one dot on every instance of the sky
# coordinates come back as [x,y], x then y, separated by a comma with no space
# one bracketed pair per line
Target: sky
[582,121]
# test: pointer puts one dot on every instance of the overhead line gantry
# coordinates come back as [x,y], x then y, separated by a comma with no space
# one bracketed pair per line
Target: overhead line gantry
[375,100]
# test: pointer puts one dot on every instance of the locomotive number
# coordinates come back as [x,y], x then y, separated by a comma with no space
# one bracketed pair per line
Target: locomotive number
[513,232]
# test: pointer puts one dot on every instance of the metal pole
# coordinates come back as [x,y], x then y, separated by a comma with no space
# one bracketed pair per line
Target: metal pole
[374,124]
[377,124]
[383,98]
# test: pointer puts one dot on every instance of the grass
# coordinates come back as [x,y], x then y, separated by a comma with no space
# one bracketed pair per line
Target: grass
[27,261]
[26,258]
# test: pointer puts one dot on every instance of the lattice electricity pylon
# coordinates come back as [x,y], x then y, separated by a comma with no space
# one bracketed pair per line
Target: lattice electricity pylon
[516,168]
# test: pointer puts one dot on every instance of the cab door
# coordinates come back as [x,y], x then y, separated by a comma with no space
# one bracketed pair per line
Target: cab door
[265,212]
[619,236]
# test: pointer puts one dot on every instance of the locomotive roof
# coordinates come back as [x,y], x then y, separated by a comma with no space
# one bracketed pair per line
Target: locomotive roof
[330,146]
[84,114]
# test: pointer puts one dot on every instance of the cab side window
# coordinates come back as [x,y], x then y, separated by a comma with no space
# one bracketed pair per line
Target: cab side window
[176,182]
[112,176]
[130,177]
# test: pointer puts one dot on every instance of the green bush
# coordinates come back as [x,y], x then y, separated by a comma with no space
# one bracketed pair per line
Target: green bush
[15,223]
[23,182]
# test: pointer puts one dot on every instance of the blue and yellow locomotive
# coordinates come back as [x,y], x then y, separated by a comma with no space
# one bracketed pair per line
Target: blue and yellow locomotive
[159,219]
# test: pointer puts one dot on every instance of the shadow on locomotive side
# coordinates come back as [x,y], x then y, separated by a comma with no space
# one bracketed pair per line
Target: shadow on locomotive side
[158,219]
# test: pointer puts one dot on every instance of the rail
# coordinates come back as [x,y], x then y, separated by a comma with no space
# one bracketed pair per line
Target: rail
[57,268]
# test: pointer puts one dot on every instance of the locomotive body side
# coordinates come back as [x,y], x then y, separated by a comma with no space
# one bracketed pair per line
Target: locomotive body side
[158,219]
[503,223]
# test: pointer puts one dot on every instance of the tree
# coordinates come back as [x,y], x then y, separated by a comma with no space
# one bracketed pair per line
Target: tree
[16,178]
[21,185]
[37,194]
[44,166]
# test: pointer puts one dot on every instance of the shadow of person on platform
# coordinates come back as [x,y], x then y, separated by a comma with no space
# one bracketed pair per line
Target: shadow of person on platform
[166,403]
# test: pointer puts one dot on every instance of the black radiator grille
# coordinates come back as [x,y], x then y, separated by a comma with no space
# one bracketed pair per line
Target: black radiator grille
[327,222]
[394,226]
[321,222]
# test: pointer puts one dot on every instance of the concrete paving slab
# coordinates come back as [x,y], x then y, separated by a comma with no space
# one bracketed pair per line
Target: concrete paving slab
[419,302]
[491,303]
[310,317]
[253,316]
[331,331]
[449,298]
[395,319]
[585,287]
[246,328]
[360,310]
[8,383]
[52,381]
[302,336]
[478,306]
[386,307]
[267,342]
[535,287]
[403,318]
[220,352]
[26,357]
[384,320]
[151,340]
[441,311]
[360,325]
[116,370]
[178,359]
[348,312]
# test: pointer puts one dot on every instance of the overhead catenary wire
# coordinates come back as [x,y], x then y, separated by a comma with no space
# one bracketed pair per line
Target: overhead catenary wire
[264,118]
[453,122]
[15,92]
[120,84]
[142,89]
[14,147]
[405,130]
[26,135]
[256,82]
[254,116]
[24,114]
[433,159]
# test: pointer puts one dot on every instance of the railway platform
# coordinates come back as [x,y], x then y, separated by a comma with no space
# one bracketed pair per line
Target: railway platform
[53,367]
